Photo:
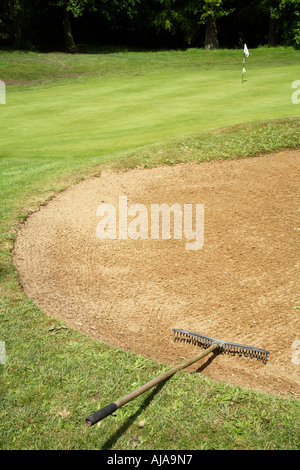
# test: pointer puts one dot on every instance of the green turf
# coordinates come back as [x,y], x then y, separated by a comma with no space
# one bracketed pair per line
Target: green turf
[53,377]
[141,104]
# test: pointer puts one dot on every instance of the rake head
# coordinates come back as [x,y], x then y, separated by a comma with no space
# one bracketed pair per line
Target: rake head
[224,347]
[210,344]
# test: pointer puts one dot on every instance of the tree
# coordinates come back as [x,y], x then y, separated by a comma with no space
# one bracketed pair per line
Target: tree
[112,10]
[76,8]
[189,16]
[284,20]
[288,14]
[68,34]
[209,13]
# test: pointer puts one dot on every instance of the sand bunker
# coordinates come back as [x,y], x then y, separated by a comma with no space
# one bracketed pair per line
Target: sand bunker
[242,286]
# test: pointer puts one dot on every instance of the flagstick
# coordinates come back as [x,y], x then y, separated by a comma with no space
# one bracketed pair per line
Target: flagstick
[246,54]
[243,69]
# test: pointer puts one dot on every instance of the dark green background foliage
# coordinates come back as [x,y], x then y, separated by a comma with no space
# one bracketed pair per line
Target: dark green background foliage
[68,24]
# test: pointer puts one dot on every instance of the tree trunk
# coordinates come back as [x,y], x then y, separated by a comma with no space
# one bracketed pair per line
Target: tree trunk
[69,40]
[273,32]
[211,34]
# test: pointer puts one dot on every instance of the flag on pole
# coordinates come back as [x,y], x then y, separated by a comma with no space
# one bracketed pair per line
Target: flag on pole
[246,52]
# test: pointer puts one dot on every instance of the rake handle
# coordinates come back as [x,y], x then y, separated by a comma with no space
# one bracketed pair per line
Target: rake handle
[109,409]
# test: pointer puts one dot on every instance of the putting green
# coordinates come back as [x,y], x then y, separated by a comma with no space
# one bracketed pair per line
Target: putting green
[97,115]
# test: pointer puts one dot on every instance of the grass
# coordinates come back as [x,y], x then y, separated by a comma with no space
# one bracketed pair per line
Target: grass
[165,94]
[155,114]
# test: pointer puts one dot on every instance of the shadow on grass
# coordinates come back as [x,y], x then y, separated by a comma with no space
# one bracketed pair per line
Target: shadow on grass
[117,434]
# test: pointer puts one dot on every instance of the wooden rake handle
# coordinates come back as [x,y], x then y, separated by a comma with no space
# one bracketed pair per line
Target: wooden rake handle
[109,409]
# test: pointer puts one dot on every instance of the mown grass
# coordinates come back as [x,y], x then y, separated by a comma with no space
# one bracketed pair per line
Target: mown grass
[53,377]
[127,100]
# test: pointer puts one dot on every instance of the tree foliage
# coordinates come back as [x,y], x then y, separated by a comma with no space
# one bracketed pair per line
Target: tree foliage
[154,23]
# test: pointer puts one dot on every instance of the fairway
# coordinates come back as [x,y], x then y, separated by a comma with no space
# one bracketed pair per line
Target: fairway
[92,116]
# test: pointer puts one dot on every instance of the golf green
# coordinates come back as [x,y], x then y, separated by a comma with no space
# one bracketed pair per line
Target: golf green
[97,115]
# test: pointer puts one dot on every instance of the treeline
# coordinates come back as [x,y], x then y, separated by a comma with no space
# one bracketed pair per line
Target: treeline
[66,24]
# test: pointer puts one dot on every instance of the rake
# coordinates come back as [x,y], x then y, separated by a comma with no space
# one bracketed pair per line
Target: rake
[209,344]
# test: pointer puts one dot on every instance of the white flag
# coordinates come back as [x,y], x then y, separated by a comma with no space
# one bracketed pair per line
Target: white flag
[246,52]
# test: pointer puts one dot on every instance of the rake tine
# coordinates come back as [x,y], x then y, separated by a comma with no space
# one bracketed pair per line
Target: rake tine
[225,347]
